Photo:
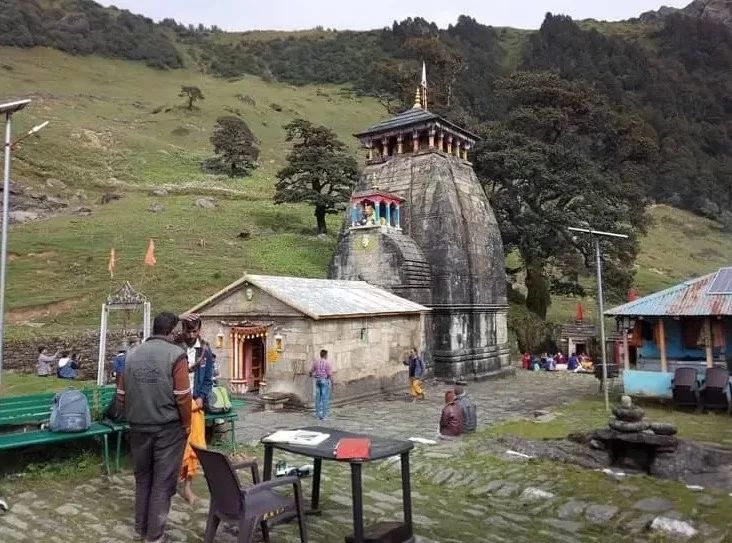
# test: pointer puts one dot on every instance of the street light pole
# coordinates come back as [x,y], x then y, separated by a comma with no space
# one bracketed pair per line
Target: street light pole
[596,234]
[8,110]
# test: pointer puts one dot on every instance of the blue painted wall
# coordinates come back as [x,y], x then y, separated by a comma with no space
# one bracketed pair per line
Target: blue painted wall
[654,384]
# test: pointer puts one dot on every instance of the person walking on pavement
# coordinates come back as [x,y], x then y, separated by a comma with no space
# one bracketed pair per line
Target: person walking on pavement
[155,393]
[322,374]
[416,371]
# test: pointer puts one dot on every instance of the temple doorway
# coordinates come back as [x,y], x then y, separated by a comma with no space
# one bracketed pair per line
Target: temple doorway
[248,366]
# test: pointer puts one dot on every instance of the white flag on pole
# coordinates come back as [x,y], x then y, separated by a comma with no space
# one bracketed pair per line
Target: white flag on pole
[424,75]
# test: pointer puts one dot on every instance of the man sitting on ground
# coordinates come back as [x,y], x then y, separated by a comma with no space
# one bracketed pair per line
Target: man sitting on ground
[67,366]
[451,420]
[467,406]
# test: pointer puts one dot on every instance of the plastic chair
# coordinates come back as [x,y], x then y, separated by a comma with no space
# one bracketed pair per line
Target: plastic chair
[685,388]
[250,506]
[713,395]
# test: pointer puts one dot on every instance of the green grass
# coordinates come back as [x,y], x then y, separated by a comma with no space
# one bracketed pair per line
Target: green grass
[589,413]
[104,136]
[18,384]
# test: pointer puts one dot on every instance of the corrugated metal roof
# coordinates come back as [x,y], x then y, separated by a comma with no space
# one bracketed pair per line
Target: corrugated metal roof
[408,118]
[689,299]
[324,298]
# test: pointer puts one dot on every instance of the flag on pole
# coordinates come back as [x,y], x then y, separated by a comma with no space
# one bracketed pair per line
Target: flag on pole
[579,317]
[150,256]
[424,75]
[112,263]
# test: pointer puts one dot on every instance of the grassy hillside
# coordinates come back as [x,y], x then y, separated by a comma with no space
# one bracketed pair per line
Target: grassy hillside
[105,137]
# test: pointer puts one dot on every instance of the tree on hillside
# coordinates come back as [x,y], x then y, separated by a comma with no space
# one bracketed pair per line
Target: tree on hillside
[564,158]
[192,94]
[320,171]
[235,146]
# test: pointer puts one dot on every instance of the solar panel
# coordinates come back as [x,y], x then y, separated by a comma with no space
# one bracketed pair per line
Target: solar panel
[722,283]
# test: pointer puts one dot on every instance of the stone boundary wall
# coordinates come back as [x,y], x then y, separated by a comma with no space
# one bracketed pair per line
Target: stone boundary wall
[21,355]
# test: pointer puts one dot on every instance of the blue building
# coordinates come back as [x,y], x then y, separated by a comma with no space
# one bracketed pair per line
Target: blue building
[689,325]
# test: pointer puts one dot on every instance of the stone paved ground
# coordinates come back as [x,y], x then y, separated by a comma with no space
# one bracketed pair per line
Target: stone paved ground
[459,494]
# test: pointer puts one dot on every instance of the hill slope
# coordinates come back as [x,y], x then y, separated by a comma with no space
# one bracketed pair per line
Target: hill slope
[103,138]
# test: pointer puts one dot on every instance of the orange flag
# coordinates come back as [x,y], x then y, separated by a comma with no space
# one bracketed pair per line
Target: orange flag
[150,256]
[112,263]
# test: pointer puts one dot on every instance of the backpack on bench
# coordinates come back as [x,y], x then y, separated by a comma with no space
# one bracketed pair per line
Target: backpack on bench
[219,401]
[70,412]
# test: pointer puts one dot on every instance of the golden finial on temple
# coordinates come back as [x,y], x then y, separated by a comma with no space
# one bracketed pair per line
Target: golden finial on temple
[417,99]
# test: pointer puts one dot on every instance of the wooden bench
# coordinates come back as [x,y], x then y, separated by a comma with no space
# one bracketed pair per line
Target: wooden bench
[23,411]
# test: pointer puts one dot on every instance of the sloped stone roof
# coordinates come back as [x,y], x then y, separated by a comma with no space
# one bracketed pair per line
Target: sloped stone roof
[323,298]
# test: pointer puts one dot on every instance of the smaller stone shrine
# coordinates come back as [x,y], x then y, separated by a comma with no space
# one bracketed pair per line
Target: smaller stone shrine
[632,442]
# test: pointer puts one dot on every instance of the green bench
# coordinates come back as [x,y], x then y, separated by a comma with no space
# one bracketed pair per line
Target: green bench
[21,411]
[107,392]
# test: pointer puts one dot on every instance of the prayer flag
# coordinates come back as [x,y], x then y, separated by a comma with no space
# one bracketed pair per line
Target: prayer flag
[632,295]
[424,75]
[150,256]
[580,313]
[112,263]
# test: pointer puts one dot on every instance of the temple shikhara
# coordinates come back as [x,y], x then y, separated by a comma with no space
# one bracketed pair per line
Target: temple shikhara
[420,226]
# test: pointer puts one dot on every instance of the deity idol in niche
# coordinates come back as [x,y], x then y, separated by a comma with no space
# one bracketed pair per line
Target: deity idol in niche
[369,215]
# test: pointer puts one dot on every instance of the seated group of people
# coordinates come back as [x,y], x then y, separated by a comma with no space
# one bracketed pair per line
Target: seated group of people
[66,364]
[460,414]
[558,362]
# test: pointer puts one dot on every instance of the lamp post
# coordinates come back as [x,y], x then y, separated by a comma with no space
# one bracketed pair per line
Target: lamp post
[8,109]
[596,235]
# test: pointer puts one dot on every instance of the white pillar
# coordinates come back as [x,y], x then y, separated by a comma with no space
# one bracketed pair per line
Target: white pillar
[146,321]
[102,346]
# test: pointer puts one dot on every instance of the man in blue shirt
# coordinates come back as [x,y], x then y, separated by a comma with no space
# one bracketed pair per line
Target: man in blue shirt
[118,364]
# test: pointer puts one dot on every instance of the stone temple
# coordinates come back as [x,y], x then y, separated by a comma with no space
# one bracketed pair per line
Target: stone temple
[420,226]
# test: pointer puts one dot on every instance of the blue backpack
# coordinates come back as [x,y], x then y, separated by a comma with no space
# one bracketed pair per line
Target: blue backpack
[70,412]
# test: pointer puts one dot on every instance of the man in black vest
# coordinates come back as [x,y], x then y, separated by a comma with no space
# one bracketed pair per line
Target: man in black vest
[155,393]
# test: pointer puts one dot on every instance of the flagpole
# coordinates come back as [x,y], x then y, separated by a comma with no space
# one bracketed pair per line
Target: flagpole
[424,85]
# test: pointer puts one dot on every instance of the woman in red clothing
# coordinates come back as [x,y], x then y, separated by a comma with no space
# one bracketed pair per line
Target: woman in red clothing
[526,361]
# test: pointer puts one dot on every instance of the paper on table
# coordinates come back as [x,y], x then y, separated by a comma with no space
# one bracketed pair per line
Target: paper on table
[297,437]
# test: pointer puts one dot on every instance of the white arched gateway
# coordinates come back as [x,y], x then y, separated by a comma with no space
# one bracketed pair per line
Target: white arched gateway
[127,299]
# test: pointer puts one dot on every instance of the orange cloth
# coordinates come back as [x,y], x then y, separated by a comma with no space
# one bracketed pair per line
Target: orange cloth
[719,335]
[415,388]
[197,437]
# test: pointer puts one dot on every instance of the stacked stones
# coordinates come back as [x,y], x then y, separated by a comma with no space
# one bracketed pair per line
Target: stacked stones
[628,417]
[629,420]
[629,439]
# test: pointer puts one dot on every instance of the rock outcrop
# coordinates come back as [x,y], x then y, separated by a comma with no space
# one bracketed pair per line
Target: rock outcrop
[716,10]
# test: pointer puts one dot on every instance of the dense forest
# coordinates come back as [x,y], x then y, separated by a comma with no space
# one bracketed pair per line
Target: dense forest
[83,27]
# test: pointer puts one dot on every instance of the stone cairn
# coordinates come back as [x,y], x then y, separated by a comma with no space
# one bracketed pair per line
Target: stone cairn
[627,432]
[628,419]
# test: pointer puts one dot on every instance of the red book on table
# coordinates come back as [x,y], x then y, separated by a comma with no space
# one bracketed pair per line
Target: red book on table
[351,448]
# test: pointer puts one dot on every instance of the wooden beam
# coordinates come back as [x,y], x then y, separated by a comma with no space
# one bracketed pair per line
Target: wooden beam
[626,354]
[662,346]
[709,343]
